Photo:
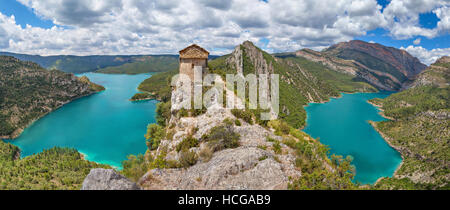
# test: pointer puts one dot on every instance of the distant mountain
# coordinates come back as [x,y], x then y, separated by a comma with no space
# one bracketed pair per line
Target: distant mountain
[387,68]
[145,64]
[28,92]
[419,130]
[82,64]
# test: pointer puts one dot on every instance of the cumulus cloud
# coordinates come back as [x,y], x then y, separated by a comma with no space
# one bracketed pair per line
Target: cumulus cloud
[417,41]
[427,56]
[403,17]
[165,26]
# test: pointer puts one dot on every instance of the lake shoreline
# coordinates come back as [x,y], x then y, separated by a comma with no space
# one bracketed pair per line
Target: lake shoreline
[389,172]
[18,132]
[387,140]
[93,123]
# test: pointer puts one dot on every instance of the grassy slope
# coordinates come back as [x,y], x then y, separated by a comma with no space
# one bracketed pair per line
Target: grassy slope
[151,64]
[421,137]
[61,169]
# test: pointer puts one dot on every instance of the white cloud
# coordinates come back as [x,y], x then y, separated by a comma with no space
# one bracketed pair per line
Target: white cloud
[165,26]
[427,56]
[403,17]
[417,41]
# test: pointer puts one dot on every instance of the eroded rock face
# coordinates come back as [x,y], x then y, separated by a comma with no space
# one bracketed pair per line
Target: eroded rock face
[243,168]
[107,179]
[436,75]
[248,167]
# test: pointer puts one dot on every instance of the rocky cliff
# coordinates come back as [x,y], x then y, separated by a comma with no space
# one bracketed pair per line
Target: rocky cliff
[394,68]
[28,92]
[438,74]
[107,179]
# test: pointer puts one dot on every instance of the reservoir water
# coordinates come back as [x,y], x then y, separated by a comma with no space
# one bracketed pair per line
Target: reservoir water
[106,126]
[343,125]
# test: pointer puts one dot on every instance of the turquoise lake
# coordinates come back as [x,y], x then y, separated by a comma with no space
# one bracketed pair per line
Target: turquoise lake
[106,126]
[343,125]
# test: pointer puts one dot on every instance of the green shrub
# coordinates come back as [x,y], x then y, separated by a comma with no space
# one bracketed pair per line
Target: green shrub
[183,113]
[277,147]
[290,142]
[237,122]
[155,133]
[206,154]
[281,127]
[135,167]
[222,137]
[187,158]
[228,122]
[187,143]
[163,113]
[246,115]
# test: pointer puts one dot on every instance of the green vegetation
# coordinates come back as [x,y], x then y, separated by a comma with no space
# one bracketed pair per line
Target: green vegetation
[28,92]
[53,169]
[93,86]
[420,131]
[144,64]
[155,133]
[334,82]
[245,115]
[415,101]
[187,144]
[135,167]
[81,64]
[142,96]
[159,85]
[222,137]
[312,159]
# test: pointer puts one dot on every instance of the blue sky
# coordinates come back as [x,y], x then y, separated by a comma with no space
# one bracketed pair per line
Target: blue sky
[76,18]
[23,14]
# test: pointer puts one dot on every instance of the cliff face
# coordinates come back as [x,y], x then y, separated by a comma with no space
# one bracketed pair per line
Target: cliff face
[438,74]
[247,166]
[28,92]
[393,67]
[107,179]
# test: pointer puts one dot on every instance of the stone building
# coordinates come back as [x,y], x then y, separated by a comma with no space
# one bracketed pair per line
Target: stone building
[191,57]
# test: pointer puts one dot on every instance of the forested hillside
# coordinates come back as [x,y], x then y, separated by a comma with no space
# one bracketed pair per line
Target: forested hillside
[53,169]
[28,92]
[146,64]
[420,131]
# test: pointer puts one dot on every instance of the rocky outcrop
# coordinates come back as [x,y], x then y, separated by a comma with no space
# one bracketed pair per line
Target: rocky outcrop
[244,168]
[250,166]
[255,55]
[107,179]
[438,74]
